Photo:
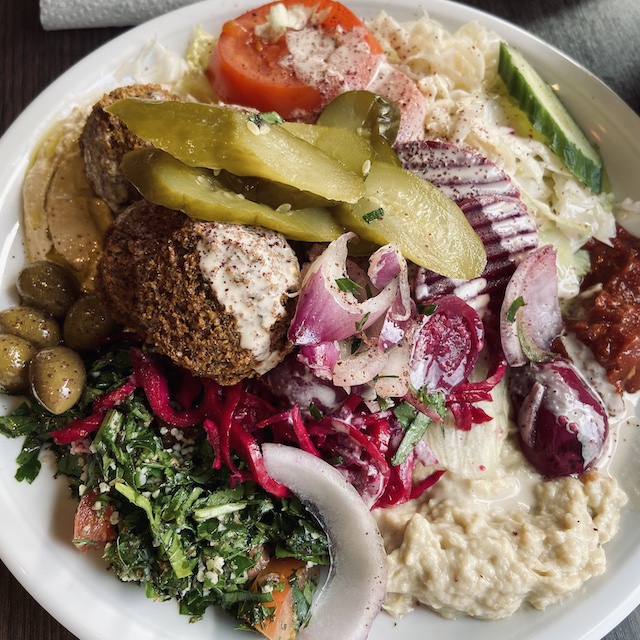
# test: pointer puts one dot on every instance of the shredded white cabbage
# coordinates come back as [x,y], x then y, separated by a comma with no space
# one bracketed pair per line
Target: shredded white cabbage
[155,64]
[458,74]
[472,454]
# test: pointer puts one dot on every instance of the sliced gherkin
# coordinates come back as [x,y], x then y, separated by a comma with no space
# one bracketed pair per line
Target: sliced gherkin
[347,147]
[202,135]
[164,180]
[373,117]
[426,225]
[273,194]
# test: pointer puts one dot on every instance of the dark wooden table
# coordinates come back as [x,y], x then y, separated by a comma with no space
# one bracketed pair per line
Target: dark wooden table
[604,35]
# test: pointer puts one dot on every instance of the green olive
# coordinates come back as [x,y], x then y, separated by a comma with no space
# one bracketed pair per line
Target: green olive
[32,325]
[47,286]
[87,323]
[15,355]
[57,376]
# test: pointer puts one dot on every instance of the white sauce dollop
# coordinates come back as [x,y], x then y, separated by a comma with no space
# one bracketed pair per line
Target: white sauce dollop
[249,270]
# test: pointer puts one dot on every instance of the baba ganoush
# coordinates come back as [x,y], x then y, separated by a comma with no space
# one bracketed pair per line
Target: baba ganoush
[461,551]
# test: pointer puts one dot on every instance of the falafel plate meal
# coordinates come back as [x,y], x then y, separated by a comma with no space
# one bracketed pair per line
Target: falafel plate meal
[328,317]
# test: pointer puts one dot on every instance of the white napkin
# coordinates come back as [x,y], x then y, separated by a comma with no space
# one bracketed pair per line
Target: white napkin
[75,14]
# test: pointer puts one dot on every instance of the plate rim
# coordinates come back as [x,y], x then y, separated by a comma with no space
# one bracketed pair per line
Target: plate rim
[14,138]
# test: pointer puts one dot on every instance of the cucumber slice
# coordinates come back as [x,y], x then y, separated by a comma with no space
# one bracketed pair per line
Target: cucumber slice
[550,118]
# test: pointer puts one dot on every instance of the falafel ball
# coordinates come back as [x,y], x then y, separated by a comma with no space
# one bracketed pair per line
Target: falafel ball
[216,298]
[104,141]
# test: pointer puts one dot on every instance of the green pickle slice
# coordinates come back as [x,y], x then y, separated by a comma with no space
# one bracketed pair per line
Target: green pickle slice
[164,180]
[427,226]
[202,135]
[371,116]
[309,182]
[345,146]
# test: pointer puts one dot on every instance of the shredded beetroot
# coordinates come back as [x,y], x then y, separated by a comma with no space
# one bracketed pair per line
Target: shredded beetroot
[238,419]
[116,396]
[225,425]
[250,449]
[156,388]
[81,427]
[419,488]
[213,436]
[461,401]
[78,429]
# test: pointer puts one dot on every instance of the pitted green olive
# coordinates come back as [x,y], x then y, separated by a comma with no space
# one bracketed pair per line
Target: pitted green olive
[57,377]
[47,286]
[15,355]
[87,323]
[31,324]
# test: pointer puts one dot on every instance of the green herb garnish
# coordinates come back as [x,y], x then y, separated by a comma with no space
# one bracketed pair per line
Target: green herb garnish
[348,286]
[513,309]
[376,214]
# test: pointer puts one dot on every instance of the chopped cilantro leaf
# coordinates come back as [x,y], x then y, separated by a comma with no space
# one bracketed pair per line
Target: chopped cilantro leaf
[360,324]
[376,214]
[347,285]
[268,117]
[316,414]
[415,422]
[435,400]
[515,305]
[428,309]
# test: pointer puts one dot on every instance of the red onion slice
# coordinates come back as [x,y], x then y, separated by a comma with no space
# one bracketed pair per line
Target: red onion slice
[527,330]
[354,591]
[325,312]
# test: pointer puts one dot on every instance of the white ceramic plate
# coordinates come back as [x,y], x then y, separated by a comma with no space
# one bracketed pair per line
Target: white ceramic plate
[36,521]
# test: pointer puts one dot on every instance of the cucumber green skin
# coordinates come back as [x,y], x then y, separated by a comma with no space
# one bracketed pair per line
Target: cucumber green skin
[550,118]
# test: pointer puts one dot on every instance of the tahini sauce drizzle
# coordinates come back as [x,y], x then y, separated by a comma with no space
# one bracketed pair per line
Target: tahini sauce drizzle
[249,270]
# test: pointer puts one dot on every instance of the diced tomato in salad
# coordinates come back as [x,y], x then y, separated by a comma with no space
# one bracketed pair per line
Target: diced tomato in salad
[92,528]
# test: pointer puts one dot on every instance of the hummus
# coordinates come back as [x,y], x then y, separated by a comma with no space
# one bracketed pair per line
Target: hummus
[64,220]
[485,547]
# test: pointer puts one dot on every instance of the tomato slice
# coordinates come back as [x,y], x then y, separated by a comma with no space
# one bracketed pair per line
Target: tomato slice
[251,71]
[282,624]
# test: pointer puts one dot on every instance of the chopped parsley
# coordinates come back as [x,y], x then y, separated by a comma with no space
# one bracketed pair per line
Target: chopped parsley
[316,414]
[184,531]
[348,286]
[415,423]
[376,214]
[360,324]
[513,309]
[268,117]
[428,309]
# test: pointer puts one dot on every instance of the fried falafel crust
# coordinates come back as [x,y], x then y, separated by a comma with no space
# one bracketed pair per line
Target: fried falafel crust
[150,278]
[105,140]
